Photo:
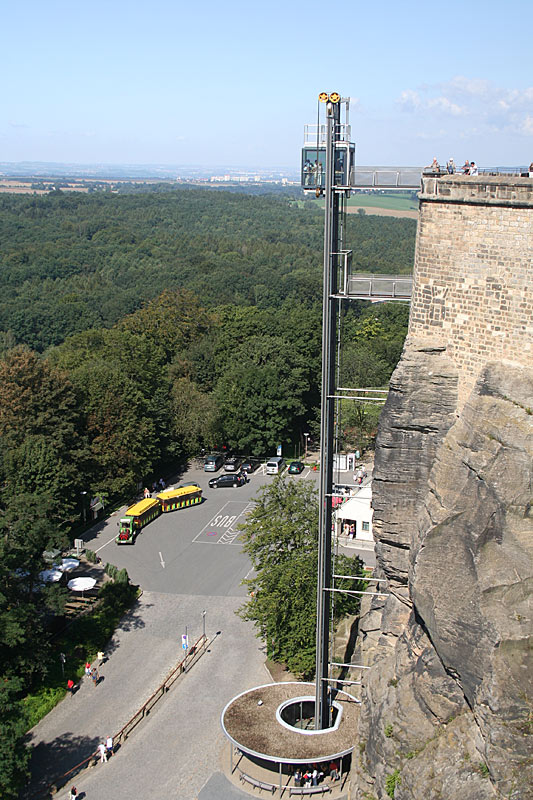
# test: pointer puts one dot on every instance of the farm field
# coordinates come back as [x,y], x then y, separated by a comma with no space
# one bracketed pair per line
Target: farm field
[392,204]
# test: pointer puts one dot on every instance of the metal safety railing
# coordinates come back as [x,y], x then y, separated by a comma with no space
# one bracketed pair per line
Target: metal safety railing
[378,287]
[316,134]
[387,177]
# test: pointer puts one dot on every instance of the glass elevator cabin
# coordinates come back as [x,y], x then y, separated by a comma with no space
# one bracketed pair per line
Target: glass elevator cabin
[314,157]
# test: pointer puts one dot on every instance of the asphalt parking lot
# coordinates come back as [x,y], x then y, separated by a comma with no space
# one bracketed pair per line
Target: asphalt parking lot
[195,550]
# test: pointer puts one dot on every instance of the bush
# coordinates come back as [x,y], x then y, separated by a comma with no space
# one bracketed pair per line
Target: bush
[91,556]
[117,595]
[38,704]
[111,570]
[392,781]
[121,576]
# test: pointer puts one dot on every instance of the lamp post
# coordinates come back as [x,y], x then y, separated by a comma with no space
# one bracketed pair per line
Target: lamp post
[83,507]
[306,435]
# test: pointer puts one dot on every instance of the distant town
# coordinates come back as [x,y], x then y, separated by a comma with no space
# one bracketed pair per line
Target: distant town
[31,177]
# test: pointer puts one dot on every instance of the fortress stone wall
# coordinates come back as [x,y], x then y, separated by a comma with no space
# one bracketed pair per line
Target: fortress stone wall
[446,699]
[473,275]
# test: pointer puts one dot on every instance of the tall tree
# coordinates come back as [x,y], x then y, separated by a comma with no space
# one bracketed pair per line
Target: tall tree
[42,449]
[173,320]
[14,756]
[261,395]
[281,537]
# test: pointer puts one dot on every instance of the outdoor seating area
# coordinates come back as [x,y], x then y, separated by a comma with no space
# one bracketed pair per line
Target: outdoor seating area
[82,578]
[258,777]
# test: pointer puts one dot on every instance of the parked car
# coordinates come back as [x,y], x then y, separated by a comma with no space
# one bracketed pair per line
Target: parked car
[249,465]
[227,480]
[232,464]
[296,467]
[213,462]
[275,465]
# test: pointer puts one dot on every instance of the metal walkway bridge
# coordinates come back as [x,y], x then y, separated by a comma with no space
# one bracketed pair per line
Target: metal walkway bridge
[376,288]
[398,178]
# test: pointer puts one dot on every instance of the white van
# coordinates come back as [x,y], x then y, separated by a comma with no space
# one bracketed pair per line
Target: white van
[275,465]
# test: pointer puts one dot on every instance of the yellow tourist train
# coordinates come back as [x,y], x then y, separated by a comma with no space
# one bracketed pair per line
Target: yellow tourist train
[143,512]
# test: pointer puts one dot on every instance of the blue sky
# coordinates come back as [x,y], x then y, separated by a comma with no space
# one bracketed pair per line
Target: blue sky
[214,83]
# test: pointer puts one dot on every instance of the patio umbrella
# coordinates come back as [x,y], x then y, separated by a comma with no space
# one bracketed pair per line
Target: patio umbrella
[81,584]
[68,564]
[50,575]
[51,555]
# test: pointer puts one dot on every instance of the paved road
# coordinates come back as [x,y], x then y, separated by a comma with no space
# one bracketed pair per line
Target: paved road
[187,561]
[173,753]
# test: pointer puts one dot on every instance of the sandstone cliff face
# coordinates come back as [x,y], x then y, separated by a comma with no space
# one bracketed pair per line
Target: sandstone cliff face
[447,707]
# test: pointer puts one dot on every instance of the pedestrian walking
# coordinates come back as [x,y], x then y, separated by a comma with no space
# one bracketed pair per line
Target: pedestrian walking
[87,668]
[103,753]
[73,794]
[70,686]
[94,676]
[100,656]
[109,746]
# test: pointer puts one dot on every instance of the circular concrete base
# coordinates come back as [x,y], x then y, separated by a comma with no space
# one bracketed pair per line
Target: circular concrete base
[252,722]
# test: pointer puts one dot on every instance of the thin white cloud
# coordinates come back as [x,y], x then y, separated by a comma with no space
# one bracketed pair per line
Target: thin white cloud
[478,103]
[527,126]
[446,106]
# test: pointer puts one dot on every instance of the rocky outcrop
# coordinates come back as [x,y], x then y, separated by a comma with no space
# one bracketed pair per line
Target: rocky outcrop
[447,706]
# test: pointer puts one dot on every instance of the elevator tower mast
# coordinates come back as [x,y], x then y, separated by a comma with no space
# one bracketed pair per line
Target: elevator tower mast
[326,168]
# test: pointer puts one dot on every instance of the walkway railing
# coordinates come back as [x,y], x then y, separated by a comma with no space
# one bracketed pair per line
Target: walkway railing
[193,655]
[379,287]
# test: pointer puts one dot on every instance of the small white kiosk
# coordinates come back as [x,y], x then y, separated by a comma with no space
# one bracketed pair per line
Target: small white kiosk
[355,516]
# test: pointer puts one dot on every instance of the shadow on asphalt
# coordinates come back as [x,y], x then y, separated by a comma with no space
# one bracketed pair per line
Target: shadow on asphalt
[50,760]
[218,787]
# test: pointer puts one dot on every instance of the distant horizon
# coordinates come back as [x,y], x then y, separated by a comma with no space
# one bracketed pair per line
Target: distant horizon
[125,170]
[168,171]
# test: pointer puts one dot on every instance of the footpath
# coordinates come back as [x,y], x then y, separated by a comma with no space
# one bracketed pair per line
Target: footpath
[175,750]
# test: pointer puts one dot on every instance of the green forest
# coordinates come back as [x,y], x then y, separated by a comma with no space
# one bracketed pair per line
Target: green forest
[137,329]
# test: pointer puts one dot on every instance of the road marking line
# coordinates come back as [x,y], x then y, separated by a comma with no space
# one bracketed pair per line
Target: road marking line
[229,536]
[161,559]
[208,525]
[105,545]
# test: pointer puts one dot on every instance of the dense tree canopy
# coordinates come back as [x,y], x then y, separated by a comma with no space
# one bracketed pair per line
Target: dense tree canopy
[71,262]
[43,450]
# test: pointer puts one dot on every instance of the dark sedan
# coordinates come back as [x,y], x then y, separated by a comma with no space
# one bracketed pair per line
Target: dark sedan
[224,481]
[249,465]
[296,467]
